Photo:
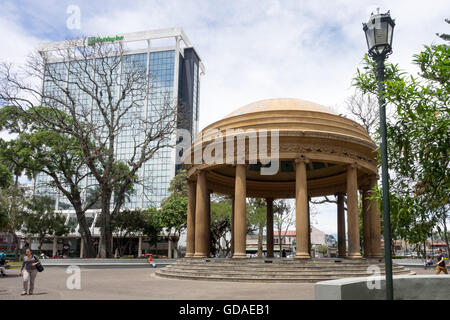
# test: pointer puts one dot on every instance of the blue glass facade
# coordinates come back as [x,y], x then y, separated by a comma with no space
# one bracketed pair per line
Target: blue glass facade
[154,175]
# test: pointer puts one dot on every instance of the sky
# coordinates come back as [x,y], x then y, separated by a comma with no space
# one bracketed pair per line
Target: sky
[252,50]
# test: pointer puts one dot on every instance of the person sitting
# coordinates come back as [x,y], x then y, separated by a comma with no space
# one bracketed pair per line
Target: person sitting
[428,262]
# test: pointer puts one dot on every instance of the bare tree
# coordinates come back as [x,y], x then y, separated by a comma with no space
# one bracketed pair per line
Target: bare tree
[283,219]
[103,98]
[364,109]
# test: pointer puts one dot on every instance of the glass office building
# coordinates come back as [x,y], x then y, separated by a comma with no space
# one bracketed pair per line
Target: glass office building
[173,70]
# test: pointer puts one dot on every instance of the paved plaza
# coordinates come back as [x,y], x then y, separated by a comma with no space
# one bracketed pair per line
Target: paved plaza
[141,283]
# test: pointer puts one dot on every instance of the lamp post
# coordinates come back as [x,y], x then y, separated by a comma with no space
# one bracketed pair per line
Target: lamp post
[379,31]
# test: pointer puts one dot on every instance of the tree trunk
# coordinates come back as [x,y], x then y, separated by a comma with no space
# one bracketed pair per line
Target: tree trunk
[14,215]
[41,241]
[446,235]
[105,250]
[86,237]
[260,241]
[120,245]
[16,240]
[99,246]
[85,232]
[280,242]
[425,249]
[169,247]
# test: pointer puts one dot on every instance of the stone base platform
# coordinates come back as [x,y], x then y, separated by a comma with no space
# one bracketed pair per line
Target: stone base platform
[274,270]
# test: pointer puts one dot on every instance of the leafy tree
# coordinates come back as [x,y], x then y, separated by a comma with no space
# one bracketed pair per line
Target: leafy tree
[172,216]
[220,225]
[283,219]
[128,223]
[418,139]
[178,185]
[5,182]
[444,36]
[41,219]
[38,150]
[13,202]
[257,216]
[116,97]
[152,226]
[322,249]
[5,176]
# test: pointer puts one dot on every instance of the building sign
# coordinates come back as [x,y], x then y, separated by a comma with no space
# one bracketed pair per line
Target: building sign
[94,40]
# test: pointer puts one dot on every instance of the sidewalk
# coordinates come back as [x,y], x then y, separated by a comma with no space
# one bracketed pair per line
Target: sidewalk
[107,263]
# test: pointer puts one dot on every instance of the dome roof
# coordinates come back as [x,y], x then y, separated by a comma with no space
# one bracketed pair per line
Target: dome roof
[289,115]
[298,128]
[280,104]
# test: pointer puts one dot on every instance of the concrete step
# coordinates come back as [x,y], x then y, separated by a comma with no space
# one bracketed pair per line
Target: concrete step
[280,264]
[281,274]
[274,267]
[279,261]
[256,278]
[248,271]
[280,270]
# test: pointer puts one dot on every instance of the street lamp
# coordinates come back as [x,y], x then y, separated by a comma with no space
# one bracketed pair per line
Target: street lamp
[379,31]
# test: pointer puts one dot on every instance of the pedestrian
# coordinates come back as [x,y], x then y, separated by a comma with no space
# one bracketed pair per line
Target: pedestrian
[28,272]
[3,264]
[440,265]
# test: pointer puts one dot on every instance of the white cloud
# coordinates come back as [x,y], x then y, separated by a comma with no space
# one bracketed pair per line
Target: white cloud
[254,50]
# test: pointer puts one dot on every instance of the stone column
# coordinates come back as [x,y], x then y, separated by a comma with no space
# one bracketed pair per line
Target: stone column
[269,228]
[232,225]
[208,222]
[240,225]
[301,209]
[309,227]
[354,247]
[375,221]
[190,223]
[366,222]
[55,245]
[342,246]
[201,219]
[140,247]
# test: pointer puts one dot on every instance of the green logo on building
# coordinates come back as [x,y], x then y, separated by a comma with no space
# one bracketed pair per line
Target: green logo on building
[94,40]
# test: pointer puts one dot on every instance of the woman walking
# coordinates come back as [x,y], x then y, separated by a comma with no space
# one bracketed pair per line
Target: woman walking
[28,271]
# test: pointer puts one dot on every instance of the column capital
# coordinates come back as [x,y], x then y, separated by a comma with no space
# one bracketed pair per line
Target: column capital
[245,164]
[199,172]
[301,159]
[353,165]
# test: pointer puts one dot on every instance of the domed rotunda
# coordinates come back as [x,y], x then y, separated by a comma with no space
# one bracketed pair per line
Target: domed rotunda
[283,148]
